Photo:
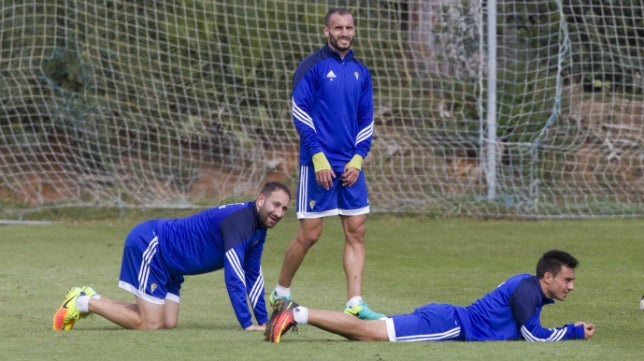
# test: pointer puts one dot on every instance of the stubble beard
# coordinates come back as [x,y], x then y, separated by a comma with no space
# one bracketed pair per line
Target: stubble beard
[335,43]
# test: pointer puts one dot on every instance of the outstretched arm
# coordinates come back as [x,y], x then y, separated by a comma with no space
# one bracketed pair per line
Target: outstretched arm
[533,331]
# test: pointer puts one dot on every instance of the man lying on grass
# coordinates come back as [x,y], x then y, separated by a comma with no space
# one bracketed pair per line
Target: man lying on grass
[510,312]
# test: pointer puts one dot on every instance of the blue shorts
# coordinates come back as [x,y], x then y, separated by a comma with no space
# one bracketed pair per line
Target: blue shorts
[432,322]
[142,270]
[313,201]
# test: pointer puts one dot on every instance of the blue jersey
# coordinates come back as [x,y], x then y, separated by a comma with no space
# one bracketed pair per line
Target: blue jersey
[333,107]
[511,312]
[229,237]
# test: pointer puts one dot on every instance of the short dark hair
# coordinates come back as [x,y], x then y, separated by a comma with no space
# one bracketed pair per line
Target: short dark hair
[553,260]
[339,11]
[270,187]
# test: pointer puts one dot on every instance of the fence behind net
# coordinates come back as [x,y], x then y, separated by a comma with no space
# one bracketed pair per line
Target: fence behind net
[187,104]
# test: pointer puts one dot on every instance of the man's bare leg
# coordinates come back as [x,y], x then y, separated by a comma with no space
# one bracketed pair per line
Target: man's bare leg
[348,326]
[354,253]
[141,315]
[307,235]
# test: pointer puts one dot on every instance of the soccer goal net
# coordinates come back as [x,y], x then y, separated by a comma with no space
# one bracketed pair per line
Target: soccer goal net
[518,108]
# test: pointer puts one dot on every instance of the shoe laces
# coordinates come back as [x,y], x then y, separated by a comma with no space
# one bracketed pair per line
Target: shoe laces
[293,328]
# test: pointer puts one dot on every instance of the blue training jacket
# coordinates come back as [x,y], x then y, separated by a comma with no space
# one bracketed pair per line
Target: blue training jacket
[229,237]
[333,107]
[512,312]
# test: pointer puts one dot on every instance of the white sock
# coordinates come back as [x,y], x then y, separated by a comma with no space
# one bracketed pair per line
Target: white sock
[354,301]
[301,315]
[82,303]
[282,291]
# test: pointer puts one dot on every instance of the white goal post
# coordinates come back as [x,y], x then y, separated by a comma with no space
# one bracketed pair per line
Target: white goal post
[186,103]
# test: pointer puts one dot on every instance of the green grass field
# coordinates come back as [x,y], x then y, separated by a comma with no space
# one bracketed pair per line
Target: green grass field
[410,262]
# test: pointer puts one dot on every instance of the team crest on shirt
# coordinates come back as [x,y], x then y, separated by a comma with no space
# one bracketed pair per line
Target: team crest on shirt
[311,204]
[331,75]
[356,74]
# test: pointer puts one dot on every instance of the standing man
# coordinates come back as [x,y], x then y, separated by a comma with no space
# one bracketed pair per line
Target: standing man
[510,312]
[160,252]
[333,114]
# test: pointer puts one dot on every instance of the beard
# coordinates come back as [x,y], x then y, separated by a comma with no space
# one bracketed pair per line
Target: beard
[334,42]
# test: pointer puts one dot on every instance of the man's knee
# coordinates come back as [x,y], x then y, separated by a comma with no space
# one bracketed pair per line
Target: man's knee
[309,233]
[171,325]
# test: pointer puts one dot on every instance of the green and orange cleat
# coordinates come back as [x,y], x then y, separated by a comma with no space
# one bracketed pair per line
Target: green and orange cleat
[67,314]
